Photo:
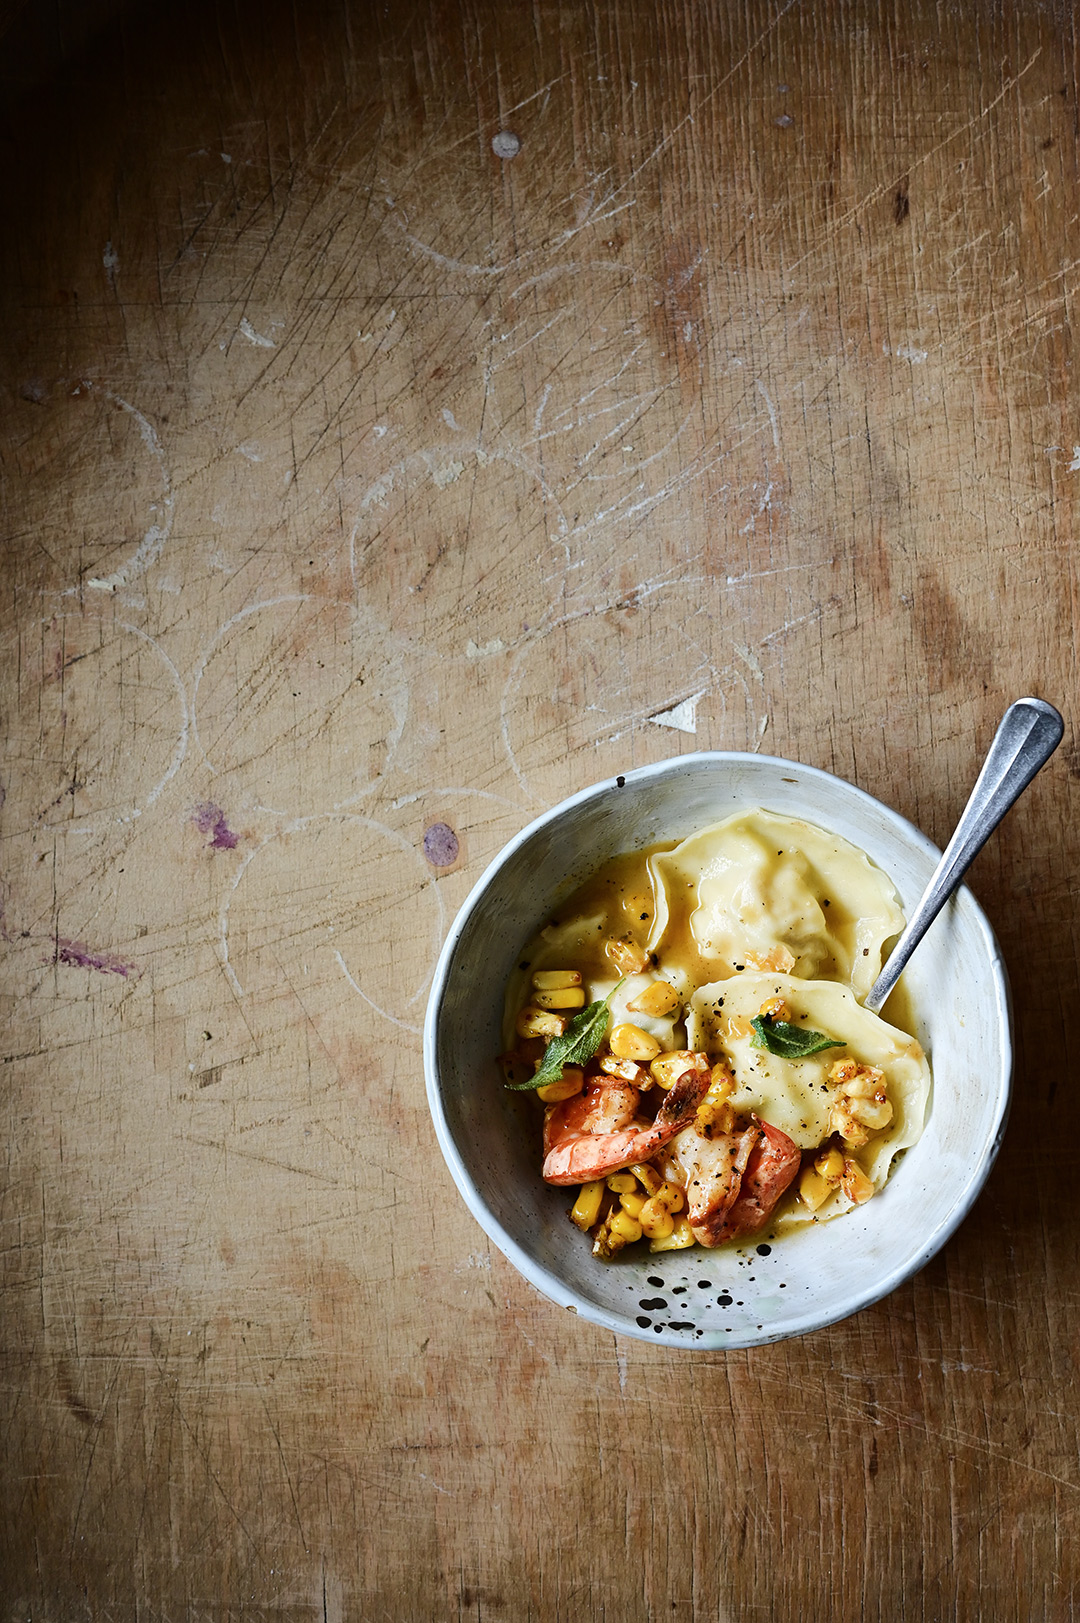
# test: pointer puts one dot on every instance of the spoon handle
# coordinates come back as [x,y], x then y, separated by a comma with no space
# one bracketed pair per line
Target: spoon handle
[1029,733]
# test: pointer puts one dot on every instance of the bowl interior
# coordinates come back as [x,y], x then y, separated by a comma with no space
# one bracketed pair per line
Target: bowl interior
[733,1296]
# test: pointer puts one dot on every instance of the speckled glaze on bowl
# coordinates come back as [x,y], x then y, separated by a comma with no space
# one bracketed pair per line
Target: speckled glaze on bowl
[733,1296]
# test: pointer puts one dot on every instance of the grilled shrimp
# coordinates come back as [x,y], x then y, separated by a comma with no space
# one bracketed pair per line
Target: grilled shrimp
[734,1180]
[601,1134]
[773,1163]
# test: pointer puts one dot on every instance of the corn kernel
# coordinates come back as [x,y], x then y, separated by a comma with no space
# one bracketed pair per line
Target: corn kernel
[855,1184]
[655,1219]
[626,1071]
[633,1204]
[668,1068]
[628,958]
[843,1122]
[622,1183]
[714,1116]
[774,1008]
[606,1242]
[630,1042]
[550,980]
[586,1208]
[648,1177]
[572,1081]
[658,999]
[671,1196]
[813,1189]
[830,1166]
[533,1022]
[626,1227]
[566,997]
[778,958]
[721,1081]
[873,1113]
[679,1239]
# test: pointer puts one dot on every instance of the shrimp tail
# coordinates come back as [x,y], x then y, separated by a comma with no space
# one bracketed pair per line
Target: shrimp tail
[685,1095]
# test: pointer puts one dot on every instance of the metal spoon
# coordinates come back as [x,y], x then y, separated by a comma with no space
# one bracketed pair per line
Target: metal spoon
[1029,734]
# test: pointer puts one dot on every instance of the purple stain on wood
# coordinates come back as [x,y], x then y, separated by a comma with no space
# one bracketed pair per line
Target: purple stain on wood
[77,955]
[210,819]
[441,845]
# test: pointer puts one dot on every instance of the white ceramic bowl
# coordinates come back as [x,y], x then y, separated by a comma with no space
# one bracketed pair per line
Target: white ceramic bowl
[733,1296]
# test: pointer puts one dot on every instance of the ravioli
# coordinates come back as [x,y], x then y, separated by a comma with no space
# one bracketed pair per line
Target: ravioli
[796,1095]
[759,886]
[756,917]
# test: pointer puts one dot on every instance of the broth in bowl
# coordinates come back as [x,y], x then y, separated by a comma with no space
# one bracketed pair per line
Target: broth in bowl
[690,1023]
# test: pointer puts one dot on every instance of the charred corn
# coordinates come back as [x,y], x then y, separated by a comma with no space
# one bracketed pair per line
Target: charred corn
[774,1008]
[855,1184]
[533,1022]
[626,1071]
[627,956]
[668,1068]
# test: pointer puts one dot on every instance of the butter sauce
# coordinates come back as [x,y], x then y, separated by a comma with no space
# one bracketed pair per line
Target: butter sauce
[719,916]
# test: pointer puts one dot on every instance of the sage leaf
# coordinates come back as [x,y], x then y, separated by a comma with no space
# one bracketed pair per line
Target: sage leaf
[577,1045]
[790,1042]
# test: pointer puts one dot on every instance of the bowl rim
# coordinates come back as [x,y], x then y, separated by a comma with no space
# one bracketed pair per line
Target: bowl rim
[549,1284]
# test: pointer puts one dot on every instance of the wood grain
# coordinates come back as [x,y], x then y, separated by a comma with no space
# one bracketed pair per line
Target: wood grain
[357,479]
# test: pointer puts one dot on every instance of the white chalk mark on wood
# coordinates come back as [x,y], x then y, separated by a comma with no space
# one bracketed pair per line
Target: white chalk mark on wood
[450,792]
[682,717]
[153,541]
[259,339]
[300,825]
[359,990]
[770,407]
[906,352]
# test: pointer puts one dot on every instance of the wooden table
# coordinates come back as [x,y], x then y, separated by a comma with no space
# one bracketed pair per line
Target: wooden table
[410,416]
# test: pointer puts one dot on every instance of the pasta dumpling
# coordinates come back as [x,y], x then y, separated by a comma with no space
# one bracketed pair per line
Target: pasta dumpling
[760,890]
[798,1096]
